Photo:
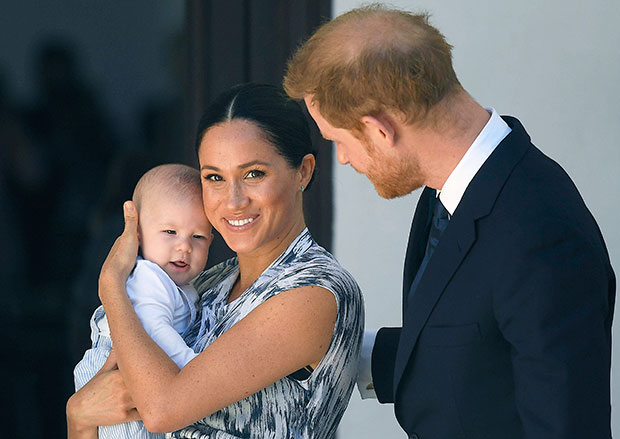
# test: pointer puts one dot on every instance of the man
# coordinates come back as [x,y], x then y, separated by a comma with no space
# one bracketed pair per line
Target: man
[508,293]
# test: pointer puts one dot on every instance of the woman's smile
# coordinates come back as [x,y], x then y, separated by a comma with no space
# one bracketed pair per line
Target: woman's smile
[250,192]
[239,223]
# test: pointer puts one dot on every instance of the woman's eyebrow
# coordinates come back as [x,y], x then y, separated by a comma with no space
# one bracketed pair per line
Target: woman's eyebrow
[253,163]
[241,166]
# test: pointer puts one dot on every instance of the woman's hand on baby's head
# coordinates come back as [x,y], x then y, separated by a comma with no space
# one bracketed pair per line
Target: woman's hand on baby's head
[122,257]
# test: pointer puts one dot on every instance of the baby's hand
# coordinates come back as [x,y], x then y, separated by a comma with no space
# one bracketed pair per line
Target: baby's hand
[122,256]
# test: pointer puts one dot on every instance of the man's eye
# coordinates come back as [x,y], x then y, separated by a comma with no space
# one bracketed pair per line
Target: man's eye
[170,232]
[255,173]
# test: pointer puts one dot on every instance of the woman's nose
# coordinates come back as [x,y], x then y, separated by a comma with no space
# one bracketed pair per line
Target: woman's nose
[237,198]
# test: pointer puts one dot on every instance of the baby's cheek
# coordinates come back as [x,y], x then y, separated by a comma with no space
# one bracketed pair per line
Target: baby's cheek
[199,258]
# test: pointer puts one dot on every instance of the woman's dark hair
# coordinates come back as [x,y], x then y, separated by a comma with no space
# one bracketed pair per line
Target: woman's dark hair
[267,106]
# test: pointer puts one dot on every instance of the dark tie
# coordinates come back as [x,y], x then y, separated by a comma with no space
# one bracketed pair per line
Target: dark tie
[439,222]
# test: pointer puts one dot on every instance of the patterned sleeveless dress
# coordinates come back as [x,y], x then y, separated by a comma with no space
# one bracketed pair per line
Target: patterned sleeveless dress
[289,408]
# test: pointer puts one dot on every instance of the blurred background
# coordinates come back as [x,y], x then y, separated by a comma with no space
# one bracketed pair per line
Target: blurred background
[94,93]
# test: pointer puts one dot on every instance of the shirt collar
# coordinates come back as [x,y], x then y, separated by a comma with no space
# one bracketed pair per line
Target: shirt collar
[491,135]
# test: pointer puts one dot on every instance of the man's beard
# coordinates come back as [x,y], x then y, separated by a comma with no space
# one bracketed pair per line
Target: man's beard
[392,178]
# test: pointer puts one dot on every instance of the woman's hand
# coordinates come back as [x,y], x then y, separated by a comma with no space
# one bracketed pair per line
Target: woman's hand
[122,256]
[104,400]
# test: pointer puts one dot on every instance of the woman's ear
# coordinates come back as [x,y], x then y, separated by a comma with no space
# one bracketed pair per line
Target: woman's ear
[306,169]
[381,129]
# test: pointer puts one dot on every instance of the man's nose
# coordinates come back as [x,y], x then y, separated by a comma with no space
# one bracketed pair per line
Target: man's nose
[341,156]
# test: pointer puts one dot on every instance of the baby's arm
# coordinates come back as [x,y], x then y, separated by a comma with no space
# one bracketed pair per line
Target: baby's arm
[158,303]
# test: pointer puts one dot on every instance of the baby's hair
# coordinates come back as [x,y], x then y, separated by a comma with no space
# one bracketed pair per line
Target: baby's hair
[172,179]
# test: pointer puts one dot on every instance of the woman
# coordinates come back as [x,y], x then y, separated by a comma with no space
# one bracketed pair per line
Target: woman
[281,324]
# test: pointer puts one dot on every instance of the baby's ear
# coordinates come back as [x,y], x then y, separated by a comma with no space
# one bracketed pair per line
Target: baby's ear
[209,235]
[139,234]
[139,241]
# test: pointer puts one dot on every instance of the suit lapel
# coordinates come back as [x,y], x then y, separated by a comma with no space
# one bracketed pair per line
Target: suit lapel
[452,248]
[458,238]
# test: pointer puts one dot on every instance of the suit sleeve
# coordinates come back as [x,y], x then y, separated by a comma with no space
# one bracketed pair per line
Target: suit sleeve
[554,305]
[383,360]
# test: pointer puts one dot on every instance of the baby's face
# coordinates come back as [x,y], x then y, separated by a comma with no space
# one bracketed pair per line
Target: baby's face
[176,235]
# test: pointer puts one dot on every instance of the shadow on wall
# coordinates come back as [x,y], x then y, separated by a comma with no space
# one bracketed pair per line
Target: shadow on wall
[64,173]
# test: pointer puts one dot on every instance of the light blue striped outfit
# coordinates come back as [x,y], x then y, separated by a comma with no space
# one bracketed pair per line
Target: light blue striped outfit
[165,310]
[289,408]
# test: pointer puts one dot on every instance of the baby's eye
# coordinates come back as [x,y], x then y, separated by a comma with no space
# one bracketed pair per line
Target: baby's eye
[255,173]
[170,232]
[198,236]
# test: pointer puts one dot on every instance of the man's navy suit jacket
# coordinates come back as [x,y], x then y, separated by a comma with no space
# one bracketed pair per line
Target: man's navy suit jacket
[508,334]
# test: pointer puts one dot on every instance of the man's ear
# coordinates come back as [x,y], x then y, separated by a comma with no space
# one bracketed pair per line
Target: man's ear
[381,129]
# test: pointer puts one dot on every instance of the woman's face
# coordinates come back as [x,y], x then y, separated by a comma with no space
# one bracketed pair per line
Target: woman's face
[251,194]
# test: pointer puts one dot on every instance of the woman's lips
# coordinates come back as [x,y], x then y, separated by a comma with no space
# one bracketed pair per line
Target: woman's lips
[239,224]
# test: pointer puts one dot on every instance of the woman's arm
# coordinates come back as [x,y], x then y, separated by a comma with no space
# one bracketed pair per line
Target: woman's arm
[280,336]
[104,400]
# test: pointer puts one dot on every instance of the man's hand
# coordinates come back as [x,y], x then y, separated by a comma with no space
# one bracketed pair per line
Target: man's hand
[122,256]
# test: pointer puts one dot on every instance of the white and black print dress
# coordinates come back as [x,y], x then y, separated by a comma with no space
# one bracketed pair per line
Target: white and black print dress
[289,408]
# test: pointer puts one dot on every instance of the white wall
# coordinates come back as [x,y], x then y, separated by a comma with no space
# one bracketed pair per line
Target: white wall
[556,66]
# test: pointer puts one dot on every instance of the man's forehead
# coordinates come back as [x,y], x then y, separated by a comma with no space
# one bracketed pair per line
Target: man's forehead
[323,135]
[313,109]
[327,130]
[308,99]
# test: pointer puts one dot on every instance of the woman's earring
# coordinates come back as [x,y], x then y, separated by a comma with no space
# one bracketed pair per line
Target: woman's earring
[303,189]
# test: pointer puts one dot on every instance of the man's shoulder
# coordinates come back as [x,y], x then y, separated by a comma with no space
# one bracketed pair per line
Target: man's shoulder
[535,200]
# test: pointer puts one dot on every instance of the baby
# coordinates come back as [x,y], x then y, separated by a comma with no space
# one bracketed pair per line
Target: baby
[175,236]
